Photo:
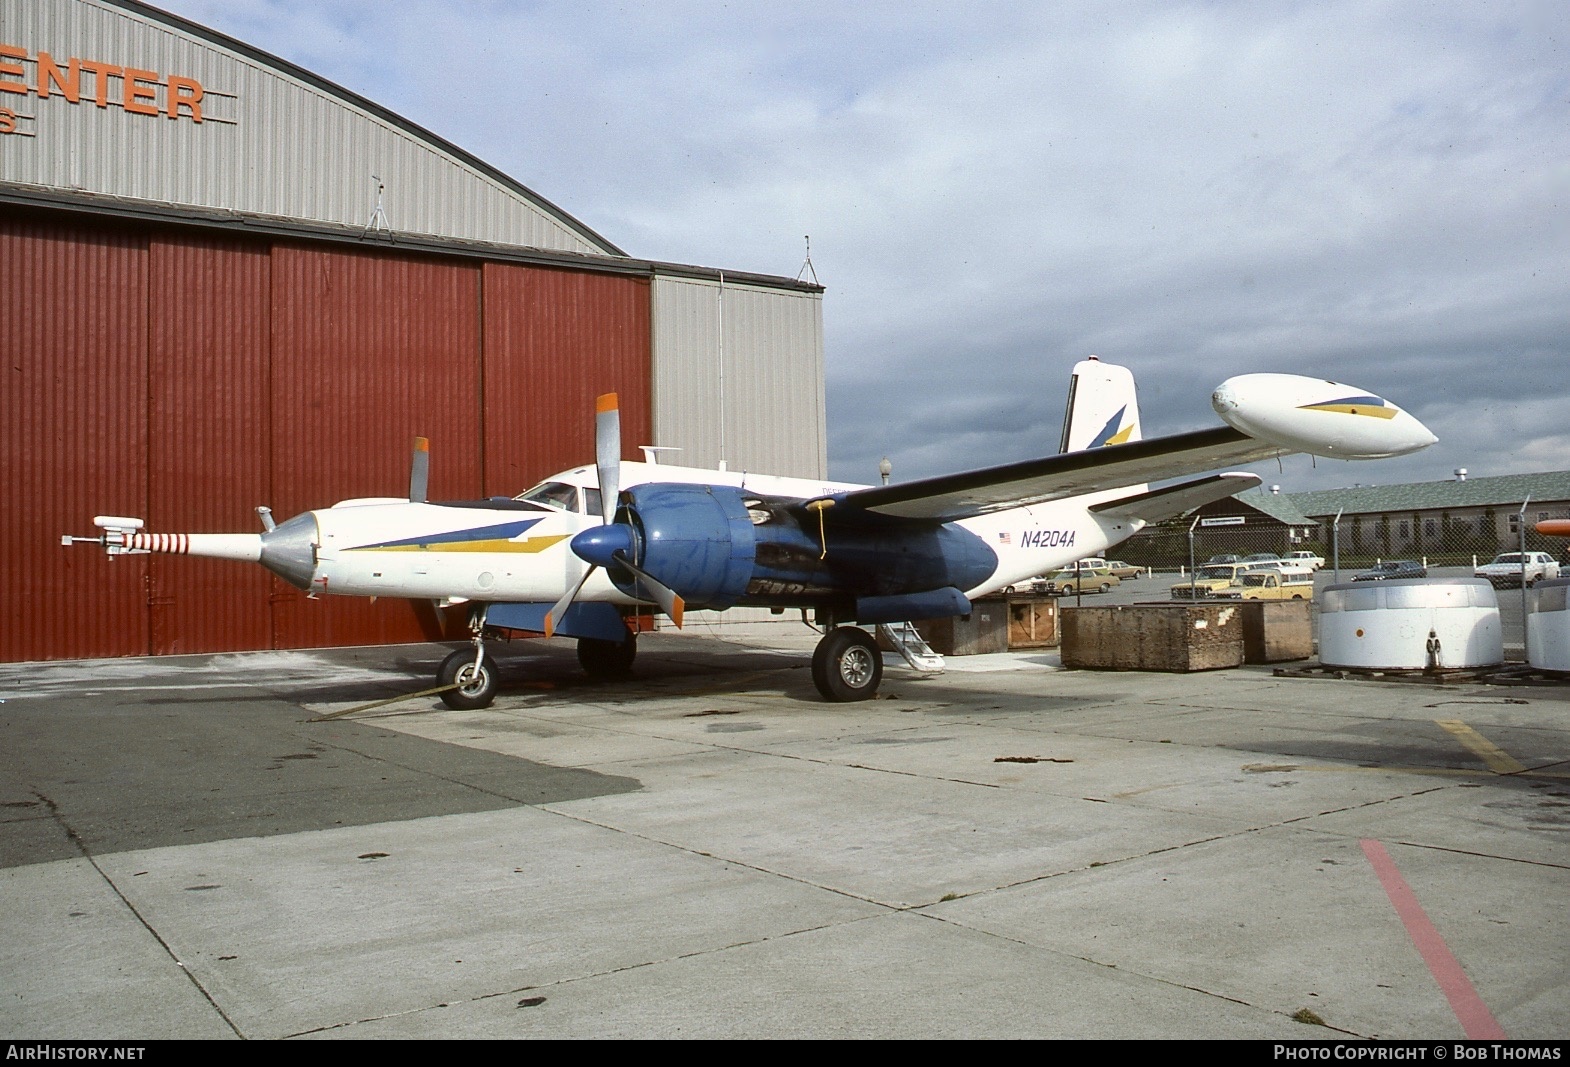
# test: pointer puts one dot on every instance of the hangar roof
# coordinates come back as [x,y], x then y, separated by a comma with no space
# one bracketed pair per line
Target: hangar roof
[189,118]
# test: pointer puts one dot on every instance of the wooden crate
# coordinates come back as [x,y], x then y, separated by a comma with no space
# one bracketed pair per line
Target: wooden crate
[1033,622]
[984,630]
[1153,637]
[1276,631]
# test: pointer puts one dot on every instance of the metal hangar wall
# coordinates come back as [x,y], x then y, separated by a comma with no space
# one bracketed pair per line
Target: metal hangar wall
[203,312]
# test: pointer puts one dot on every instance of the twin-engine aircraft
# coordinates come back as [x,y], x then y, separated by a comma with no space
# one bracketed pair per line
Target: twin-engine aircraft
[586,551]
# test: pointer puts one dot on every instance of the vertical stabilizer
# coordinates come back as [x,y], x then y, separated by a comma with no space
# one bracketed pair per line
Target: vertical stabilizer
[1102,408]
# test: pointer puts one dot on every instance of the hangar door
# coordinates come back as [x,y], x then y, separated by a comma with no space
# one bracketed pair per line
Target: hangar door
[186,376]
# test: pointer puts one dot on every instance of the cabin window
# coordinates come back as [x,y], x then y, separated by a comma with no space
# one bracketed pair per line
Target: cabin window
[558,495]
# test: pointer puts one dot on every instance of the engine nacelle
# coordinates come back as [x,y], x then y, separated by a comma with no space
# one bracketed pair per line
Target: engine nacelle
[717,545]
[697,539]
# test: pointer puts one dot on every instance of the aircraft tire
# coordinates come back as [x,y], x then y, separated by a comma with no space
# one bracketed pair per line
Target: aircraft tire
[475,689]
[847,665]
[607,659]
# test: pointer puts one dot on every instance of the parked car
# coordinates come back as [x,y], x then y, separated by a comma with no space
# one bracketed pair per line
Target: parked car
[1392,568]
[1125,571]
[1211,579]
[1262,557]
[1506,568]
[1226,557]
[1310,560]
[1285,583]
[1069,581]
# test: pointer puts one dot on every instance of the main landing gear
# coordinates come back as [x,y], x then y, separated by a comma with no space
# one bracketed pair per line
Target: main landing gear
[847,665]
[607,660]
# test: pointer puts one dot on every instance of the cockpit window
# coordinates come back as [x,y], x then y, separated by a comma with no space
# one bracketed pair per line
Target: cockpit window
[554,494]
[591,502]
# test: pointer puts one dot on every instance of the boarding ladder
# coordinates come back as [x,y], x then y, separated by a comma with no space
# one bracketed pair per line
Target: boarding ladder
[913,649]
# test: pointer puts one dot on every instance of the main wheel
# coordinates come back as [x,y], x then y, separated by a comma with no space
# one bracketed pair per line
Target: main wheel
[607,659]
[847,665]
[475,688]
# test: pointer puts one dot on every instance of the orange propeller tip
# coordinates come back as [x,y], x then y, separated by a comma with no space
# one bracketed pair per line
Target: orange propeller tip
[605,402]
[422,444]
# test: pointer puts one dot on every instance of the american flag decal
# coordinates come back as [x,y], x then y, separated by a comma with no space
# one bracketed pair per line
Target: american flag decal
[1005,538]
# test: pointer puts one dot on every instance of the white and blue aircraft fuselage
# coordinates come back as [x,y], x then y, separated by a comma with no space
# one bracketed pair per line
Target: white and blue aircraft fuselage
[571,556]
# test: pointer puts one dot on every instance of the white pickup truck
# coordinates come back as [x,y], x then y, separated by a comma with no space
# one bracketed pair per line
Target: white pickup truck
[1507,569]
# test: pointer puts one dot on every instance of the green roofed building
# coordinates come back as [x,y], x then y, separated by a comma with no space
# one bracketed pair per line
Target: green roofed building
[1460,517]
[1466,515]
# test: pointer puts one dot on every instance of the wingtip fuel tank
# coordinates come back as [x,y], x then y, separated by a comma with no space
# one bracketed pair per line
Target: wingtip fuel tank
[1319,416]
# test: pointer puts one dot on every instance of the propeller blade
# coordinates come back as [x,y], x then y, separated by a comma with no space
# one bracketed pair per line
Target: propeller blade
[419,470]
[607,463]
[667,598]
[607,452]
[559,609]
[604,545]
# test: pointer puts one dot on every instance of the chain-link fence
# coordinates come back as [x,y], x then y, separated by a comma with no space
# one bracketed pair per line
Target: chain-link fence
[1442,541]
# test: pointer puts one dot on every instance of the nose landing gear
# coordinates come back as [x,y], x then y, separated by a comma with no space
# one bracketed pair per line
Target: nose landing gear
[470,677]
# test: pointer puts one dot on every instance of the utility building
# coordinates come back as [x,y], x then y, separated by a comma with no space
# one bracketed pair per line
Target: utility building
[229,282]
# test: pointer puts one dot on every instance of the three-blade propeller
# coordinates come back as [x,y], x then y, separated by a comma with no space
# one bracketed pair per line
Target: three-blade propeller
[613,544]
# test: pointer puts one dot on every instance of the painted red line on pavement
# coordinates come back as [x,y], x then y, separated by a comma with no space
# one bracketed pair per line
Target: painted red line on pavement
[1473,1014]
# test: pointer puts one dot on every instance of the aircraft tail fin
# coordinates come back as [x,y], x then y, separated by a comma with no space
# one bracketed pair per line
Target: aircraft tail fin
[1102,408]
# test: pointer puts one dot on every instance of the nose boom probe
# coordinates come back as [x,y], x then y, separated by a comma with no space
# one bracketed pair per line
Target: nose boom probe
[122,536]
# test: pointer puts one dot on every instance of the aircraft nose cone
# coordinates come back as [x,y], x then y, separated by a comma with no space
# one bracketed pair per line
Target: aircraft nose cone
[600,544]
[289,550]
[1224,399]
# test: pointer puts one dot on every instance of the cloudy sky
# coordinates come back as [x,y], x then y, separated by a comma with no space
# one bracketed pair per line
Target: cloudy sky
[1376,192]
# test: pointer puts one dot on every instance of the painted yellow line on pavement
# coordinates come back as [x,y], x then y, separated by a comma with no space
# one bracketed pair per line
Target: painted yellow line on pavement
[1498,760]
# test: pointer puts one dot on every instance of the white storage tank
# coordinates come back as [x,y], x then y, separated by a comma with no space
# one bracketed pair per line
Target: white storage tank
[1548,626]
[1411,624]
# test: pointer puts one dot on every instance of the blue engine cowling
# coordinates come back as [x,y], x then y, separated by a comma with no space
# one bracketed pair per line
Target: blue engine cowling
[697,539]
[719,545]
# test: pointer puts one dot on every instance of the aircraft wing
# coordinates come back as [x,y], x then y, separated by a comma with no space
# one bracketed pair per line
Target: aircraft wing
[949,497]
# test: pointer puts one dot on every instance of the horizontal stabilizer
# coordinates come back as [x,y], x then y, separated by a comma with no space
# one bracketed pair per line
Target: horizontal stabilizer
[1159,505]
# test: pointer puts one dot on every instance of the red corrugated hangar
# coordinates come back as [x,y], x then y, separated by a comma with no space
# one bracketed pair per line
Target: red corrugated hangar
[229,282]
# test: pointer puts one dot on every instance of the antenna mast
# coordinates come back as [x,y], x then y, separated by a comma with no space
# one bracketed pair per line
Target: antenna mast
[806,270]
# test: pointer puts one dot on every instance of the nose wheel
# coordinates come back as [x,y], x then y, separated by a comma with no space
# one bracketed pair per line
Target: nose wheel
[469,675]
[847,665]
[474,680]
